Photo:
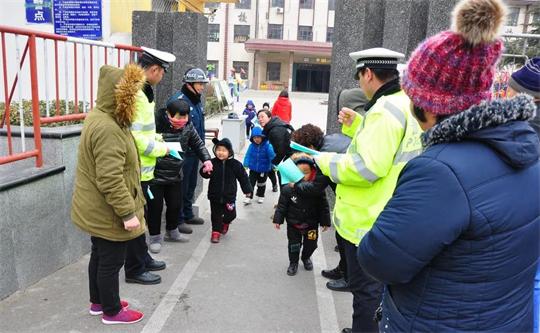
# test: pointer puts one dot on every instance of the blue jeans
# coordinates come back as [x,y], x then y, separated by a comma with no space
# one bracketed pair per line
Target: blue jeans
[189,183]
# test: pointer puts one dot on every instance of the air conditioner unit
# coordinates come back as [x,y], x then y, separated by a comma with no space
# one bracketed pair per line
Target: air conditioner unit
[279,10]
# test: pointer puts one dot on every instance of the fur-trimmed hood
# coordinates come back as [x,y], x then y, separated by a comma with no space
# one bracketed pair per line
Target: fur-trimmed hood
[117,89]
[500,124]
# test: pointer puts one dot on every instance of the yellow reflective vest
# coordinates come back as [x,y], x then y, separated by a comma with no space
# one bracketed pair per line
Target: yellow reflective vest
[149,144]
[383,141]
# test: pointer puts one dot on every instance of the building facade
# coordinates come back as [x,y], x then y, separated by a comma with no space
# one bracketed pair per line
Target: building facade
[273,44]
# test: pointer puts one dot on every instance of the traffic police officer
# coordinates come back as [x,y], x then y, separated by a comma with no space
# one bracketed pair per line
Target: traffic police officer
[150,146]
[382,142]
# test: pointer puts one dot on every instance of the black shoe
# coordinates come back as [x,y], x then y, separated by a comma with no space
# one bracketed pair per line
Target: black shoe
[195,220]
[332,274]
[155,265]
[184,229]
[338,285]
[308,265]
[346,330]
[293,268]
[274,188]
[144,278]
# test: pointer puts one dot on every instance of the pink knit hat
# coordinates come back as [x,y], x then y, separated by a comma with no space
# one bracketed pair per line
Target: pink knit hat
[454,70]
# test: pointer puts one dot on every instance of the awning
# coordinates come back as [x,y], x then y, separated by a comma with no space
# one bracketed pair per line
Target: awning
[296,46]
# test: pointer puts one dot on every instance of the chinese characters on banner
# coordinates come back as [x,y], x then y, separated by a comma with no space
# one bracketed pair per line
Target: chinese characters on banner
[78,18]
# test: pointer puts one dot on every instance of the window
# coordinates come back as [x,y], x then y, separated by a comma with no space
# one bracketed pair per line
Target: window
[536,17]
[243,4]
[212,5]
[329,34]
[305,32]
[513,16]
[308,4]
[273,71]
[213,32]
[331,4]
[212,68]
[278,3]
[241,33]
[275,31]
[241,67]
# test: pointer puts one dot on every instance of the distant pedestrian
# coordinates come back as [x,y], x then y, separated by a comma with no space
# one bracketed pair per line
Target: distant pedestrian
[457,244]
[282,107]
[279,136]
[108,202]
[251,114]
[258,160]
[303,214]
[527,80]
[222,187]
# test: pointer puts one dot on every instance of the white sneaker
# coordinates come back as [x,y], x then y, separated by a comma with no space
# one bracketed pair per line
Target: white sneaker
[260,200]
[247,201]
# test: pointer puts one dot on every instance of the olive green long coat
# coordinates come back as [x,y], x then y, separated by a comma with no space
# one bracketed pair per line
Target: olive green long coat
[107,185]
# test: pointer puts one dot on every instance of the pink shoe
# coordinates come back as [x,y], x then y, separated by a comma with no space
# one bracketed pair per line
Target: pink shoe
[225,228]
[96,309]
[125,316]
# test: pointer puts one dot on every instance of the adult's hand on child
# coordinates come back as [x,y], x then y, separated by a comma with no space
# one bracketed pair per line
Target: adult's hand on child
[324,228]
[277,226]
[346,116]
[132,224]
[208,167]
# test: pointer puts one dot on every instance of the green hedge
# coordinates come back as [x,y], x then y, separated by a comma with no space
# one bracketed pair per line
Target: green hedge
[27,110]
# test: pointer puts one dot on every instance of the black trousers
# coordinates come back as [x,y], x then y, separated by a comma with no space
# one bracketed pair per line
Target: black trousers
[137,255]
[273,177]
[342,257]
[221,213]
[189,182]
[248,129]
[367,293]
[302,239]
[106,259]
[172,194]
[259,179]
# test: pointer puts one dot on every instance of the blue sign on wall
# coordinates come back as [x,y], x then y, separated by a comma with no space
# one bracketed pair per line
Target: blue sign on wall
[78,18]
[38,11]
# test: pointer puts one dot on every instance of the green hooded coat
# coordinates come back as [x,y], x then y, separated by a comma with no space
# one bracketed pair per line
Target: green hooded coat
[107,184]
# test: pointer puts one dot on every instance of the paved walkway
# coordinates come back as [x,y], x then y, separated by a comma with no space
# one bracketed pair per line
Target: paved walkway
[238,285]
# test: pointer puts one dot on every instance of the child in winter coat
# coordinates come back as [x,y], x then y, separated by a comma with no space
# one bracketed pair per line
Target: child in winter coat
[175,125]
[222,188]
[251,113]
[303,214]
[258,160]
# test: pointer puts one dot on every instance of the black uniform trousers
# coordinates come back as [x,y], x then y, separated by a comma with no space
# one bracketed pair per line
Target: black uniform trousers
[273,177]
[221,213]
[302,239]
[172,193]
[137,256]
[342,257]
[258,178]
[367,293]
[106,259]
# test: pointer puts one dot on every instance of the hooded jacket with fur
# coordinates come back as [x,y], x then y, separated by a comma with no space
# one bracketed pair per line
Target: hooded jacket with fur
[107,182]
[222,187]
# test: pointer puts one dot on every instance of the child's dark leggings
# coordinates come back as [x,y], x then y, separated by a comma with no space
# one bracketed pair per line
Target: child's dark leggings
[221,213]
[298,237]
[259,179]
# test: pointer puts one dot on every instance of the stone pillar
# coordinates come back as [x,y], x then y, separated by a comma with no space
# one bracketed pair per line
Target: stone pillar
[182,34]
[440,13]
[405,24]
[357,26]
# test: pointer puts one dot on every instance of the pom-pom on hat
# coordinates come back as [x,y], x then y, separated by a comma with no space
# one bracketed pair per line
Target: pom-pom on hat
[454,70]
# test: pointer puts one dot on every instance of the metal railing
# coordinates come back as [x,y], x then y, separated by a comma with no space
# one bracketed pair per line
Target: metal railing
[53,69]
